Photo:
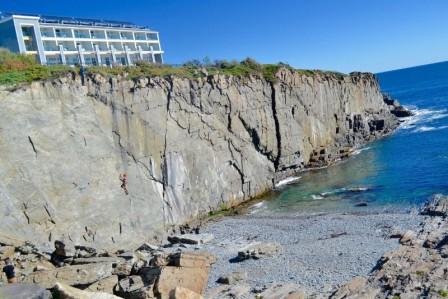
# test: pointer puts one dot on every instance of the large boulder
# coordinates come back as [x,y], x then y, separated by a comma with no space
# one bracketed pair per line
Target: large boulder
[194,279]
[24,291]
[71,275]
[67,292]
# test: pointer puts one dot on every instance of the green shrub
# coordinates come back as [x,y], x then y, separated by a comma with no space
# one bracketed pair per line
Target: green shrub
[443,293]
[18,68]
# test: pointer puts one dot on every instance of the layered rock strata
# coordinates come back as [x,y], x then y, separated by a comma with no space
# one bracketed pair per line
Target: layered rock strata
[188,146]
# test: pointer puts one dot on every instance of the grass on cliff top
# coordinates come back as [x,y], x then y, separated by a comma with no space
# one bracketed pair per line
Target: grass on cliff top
[196,69]
[19,68]
[16,68]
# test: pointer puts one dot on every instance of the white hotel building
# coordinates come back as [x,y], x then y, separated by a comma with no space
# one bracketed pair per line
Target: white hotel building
[75,41]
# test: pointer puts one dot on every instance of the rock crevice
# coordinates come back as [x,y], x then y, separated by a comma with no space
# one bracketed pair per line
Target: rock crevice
[188,147]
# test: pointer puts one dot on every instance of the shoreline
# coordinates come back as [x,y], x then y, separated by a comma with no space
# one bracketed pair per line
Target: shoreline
[320,252]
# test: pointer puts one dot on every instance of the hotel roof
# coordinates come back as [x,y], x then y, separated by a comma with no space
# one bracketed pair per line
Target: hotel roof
[75,21]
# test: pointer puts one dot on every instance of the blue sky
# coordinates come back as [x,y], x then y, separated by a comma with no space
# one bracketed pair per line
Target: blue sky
[346,35]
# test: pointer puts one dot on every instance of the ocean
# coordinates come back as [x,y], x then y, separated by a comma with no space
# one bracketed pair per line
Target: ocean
[399,172]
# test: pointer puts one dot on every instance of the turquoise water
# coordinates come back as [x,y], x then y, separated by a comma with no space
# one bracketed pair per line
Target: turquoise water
[400,171]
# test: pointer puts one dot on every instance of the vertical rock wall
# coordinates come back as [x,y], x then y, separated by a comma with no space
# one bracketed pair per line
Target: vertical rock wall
[188,146]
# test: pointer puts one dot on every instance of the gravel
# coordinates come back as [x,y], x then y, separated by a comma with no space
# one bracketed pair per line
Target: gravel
[319,252]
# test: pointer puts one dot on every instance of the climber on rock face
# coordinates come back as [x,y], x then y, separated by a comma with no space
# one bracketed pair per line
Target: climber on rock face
[124,182]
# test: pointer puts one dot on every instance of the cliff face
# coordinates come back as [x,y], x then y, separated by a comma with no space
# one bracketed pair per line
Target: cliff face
[188,146]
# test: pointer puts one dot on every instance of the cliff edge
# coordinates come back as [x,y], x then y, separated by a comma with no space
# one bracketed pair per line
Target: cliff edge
[188,146]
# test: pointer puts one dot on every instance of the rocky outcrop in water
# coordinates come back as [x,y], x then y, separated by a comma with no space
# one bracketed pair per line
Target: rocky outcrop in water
[186,146]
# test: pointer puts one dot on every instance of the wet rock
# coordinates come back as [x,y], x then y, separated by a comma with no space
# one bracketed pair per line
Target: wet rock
[361,204]
[67,292]
[401,112]
[437,206]
[24,291]
[233,278]
[191,238]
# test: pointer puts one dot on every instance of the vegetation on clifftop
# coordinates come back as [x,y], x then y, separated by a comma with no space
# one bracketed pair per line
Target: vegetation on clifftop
[18,68]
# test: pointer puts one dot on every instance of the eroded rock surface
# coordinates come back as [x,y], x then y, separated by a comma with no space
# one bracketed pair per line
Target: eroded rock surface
[187,147]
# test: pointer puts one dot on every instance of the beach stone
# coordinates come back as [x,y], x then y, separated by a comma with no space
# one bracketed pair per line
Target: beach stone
[24,291]
[71,275]
[148,247]
[283,291]
[67,292]
[437,206]
[122,269]
[407,238]
[258,250]
[229,292]
[105,285]
[183,293]
[233,278]
[130,284]
[191,239]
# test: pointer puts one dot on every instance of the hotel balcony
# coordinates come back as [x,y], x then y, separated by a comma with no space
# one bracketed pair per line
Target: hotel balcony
[64,33]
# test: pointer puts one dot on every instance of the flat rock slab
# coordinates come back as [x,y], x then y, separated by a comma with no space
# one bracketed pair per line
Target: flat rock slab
[24,291]
[91,260]
[194,279]
[191,239]
[71,275]
[68,292]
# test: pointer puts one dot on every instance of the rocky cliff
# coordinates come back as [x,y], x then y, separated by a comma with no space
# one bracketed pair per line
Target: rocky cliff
[187,146]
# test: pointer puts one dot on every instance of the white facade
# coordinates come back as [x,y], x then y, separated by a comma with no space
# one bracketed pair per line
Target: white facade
[57,40]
